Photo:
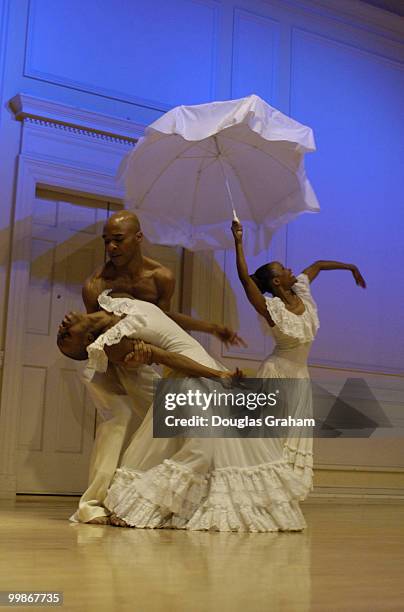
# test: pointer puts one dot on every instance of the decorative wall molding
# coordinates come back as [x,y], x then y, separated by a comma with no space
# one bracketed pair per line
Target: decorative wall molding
[345,495]
[342,44]
[355,369]
[353,482]
[352,12]
[78,131]
[74,119]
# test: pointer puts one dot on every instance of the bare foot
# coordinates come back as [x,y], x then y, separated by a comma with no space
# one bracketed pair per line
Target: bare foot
[100,520]
[117,522]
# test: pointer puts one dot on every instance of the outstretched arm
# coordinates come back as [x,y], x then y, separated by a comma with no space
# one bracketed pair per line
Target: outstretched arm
[252,292]
[225,334]
[166,283]
[134,352]
[314,270]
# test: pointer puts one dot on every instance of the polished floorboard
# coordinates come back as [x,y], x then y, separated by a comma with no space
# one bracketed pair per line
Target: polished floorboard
[350,558]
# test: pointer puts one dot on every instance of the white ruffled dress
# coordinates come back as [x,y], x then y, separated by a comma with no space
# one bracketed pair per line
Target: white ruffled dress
[293,335]
[247,485]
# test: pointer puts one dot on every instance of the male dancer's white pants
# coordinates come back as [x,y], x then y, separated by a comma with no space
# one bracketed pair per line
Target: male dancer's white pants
[122,397]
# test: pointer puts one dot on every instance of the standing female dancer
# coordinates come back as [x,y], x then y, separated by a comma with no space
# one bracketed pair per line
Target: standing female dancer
[291,315]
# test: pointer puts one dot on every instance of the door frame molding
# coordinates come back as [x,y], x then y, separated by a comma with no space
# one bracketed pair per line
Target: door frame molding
[32,173]
[44,135]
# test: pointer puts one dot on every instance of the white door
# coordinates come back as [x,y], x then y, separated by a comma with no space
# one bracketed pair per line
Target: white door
[57,418]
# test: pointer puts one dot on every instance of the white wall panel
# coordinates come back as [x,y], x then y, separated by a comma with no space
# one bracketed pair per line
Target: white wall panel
[353,100]
[255,56]
[158,53]
[40,286]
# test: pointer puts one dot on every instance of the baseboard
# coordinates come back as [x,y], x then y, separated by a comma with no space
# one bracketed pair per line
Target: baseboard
[351,496]
[43,498]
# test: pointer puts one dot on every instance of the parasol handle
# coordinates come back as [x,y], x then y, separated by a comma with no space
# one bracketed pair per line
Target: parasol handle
[235,217]
[219,156]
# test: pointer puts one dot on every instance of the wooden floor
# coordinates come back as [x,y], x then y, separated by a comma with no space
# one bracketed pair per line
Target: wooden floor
[350,558]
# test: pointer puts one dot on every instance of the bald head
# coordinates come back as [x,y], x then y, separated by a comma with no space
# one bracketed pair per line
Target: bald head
[123,218]
[122,238]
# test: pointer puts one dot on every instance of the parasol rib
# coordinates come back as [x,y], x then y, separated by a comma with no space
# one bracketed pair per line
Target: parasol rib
[142,198]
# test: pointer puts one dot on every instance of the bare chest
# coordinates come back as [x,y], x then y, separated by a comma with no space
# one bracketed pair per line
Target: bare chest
[143,288]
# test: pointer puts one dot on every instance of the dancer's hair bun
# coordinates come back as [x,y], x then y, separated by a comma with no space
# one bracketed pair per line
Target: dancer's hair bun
[259,282]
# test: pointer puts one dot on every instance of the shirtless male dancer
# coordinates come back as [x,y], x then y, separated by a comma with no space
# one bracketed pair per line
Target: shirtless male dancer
[127,271]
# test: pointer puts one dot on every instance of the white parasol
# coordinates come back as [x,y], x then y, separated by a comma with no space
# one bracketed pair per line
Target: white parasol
[197,166]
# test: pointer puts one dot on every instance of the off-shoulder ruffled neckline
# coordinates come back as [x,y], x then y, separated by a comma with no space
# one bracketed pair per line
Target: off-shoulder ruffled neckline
[134,320]
[303,326]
